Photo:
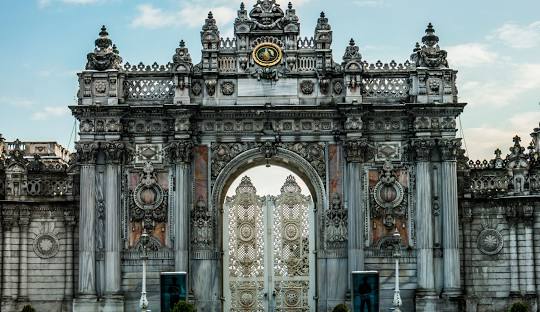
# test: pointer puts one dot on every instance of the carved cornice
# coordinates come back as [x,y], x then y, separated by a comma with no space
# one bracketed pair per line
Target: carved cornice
[422,149]
[449,148]
[180,151]
[86,152]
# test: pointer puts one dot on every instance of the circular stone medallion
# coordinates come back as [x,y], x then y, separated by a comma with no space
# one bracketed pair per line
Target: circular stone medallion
[46,246]
[267,54]
[490,241]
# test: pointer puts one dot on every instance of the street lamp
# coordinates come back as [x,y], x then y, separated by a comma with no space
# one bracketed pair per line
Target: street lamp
[397,253]
[143,303]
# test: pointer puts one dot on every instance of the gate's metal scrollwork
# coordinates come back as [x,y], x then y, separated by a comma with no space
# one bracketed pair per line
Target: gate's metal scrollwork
[268,248]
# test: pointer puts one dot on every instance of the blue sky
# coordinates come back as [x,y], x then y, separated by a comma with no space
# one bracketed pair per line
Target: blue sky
[493,44]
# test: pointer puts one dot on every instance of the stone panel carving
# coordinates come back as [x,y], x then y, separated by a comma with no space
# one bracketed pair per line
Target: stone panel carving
[149,201]
[336,224]
[202,226]
[307,87]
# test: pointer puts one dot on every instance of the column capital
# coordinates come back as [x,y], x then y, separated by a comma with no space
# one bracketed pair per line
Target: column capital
[422,148]
[449,148]
[86,152]
[359,150]
[116,152]
[180,151]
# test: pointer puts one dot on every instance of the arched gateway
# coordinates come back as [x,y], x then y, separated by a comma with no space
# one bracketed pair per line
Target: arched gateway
[160,145]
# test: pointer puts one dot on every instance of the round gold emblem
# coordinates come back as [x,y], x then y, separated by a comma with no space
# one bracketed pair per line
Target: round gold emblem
[267,54]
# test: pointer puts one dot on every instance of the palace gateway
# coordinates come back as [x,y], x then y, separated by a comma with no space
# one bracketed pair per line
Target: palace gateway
[375,144]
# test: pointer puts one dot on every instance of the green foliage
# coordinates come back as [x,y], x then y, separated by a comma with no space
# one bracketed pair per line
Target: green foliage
[28,308]
[340,308]
[183,306]
[519,307]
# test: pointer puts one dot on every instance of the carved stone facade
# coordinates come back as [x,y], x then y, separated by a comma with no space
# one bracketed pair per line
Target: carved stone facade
[375,144]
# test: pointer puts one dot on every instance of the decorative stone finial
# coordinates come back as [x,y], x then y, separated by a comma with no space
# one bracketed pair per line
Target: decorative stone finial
[210,15]
[289,5]
[429,55]
[242,6]
[430,39]
[352,53]
[105,55]
[182,57]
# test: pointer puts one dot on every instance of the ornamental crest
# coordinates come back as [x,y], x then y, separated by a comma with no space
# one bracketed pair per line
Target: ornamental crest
[267,54]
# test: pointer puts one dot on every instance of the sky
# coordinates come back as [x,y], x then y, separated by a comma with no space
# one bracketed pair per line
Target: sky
[492,43]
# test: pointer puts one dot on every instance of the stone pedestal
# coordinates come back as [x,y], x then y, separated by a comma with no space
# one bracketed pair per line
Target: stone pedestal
[85,304]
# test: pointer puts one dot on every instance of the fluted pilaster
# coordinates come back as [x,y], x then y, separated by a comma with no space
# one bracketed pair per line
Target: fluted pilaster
[450,222]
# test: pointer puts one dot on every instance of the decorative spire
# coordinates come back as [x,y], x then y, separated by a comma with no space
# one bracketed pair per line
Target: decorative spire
[210,33]
[105,55]
[429,55]
[323,33]
[242,6]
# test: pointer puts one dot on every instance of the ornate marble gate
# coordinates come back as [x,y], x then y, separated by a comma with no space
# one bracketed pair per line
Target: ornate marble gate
[159,144]
[268,250]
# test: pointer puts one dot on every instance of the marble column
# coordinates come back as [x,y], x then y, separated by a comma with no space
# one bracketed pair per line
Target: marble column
[24,222]
[180,153]
[87,235]
[69,223]
[182,200]
[355,199]
[514,268]
[114,152]
[526,264]
[11,258]
[425,292]
[450,223]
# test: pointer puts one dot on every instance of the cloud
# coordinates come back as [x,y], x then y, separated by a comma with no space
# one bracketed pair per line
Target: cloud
[483,140]
[16,102]
[470,55]
[50,112]
[46,3]
[192,13]
[191,16]
[497,91]
[369,3]
[519,36]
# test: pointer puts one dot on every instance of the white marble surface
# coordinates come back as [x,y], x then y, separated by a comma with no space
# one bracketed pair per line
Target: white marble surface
[281,87]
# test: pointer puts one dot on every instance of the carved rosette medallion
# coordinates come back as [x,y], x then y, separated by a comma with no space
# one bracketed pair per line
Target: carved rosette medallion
[307,87]
[227,88]
[46,246]
[490,242]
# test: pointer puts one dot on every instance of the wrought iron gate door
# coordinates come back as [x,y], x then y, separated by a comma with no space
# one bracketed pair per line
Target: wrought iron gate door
[268,262]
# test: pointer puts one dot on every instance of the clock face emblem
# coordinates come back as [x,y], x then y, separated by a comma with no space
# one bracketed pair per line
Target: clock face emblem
[267,54]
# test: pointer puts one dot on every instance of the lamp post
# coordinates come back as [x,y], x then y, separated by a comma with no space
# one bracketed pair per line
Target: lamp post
[143,303]
[397,253]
